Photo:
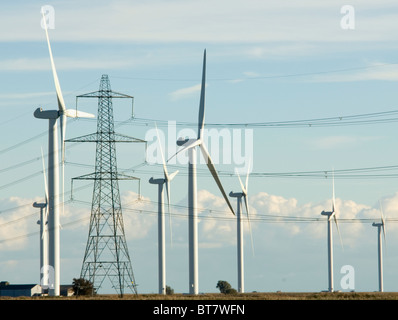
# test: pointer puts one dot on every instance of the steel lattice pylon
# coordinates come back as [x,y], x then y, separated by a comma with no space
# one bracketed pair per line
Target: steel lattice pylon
[106,255]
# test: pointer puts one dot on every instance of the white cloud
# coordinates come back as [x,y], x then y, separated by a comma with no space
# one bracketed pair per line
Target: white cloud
[217,226]
[138,220]
[24,95]
[184,93]
[373,72]
[334,142]
[220,21]
[27,64]
[17,223]
[306,220]
[288,218]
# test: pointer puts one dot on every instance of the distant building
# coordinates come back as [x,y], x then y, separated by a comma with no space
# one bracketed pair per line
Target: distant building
[66,290]
[29,290]
[17,290]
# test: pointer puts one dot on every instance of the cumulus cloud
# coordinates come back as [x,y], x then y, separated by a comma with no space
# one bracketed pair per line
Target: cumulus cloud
[374,72]
[225,21]
[333,142]
[184,93]
[216,223]
[17,220]
[138,215]
[287,217]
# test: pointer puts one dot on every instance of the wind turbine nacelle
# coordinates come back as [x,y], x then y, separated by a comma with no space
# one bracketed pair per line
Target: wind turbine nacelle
[46,114]
[157,181]
[326,213]
[181,141]
[39,205]
[236,194]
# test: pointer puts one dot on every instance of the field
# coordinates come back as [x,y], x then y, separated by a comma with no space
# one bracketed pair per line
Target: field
[245,296]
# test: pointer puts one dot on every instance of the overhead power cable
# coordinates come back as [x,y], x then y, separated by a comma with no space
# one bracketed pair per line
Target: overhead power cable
[258,77]
[349,120]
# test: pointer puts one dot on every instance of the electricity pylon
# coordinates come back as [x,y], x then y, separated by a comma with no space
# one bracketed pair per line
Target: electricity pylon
[106,255]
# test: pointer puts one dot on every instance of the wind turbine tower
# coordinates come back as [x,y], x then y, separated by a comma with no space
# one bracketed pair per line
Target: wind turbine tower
[53,170]
[161,182]
[330,215]
[190,146]
[240,254]
[43,238]
[106,255]
[380,225]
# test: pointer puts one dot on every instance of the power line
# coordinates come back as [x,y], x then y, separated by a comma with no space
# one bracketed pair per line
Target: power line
[352,173]
[349,120]
[265,77]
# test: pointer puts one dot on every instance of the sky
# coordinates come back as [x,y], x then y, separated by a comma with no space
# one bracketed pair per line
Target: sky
[268,63]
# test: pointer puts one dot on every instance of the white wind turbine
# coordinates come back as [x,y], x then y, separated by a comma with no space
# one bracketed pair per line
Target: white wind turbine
[53,171]
[330,215]
[161,225]
[380,225]
[43,231]
[240,255]
[190,145]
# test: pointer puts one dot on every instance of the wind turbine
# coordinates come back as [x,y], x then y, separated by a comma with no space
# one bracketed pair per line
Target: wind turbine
[238,196]
[43,230]
[161,226]
[380,225]
[53,170]
[330,215]
[190,145]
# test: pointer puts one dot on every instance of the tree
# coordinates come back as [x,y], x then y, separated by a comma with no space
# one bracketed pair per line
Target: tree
[169,290]
[83,287]
[225,287]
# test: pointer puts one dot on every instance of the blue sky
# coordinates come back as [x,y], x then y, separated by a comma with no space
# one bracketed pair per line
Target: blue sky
[266,61]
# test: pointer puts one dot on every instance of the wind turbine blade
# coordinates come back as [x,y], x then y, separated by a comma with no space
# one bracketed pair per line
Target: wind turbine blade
[383,222]
[63,129]
[248,220]
[189,144]
[60,98]
[201,119]
[72,113]
[166,174]
[246,204]
[45,178]
[333,196]
[213,171]
[338,230]
[45,215]
[247,178]
[171,176]
[241,184]
[44,235]
[61,108]
[167,183]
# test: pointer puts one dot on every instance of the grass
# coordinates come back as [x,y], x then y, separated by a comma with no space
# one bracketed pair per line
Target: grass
[239,296]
